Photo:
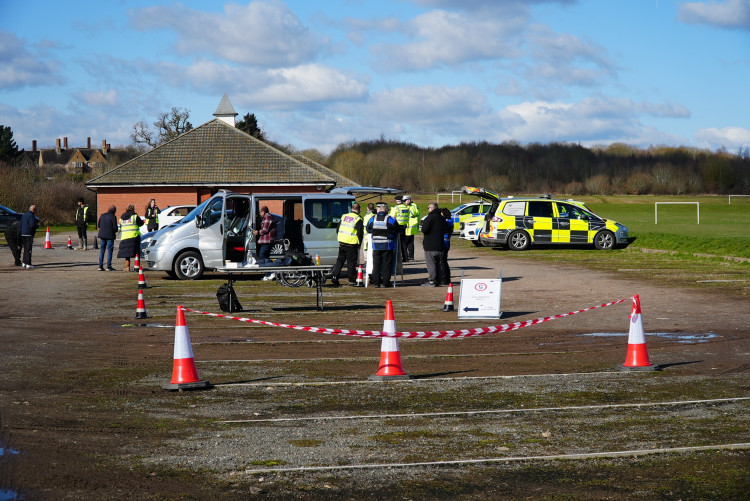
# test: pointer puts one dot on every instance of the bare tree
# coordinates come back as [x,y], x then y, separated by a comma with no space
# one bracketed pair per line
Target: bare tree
[167,126]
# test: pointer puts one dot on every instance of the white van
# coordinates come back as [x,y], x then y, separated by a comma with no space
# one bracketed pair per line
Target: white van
[220,230]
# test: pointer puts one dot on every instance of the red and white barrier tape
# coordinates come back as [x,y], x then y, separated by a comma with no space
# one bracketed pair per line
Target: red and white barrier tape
[480,331]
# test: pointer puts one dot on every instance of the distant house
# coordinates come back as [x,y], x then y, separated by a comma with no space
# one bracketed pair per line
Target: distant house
[198,163]
[77,159]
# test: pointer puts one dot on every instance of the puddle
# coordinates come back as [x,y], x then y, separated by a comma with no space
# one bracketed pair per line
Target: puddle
[7,494]
[680,337]
[158,326]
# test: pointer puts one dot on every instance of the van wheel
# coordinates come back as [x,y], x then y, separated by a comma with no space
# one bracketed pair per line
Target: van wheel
[188,266]
[519,241]
[604,240]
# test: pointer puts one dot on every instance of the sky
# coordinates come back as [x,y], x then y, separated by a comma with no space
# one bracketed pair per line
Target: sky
[428,72]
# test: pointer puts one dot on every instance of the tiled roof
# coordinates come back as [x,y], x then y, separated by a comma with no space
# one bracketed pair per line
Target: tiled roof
[340,180]
[214,153]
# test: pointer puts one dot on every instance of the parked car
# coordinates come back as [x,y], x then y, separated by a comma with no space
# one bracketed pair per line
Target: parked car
[169,215]
[520,222]
[464,212]
[470,228]
[6,217]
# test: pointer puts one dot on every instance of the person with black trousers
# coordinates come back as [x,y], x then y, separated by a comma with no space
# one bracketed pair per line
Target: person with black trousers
[13,237]
[29,224]
[434,228]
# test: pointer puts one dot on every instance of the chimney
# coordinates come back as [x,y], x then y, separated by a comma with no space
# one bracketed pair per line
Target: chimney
[57,145]
[108,147]
[33,145]
[104,144]
[88,143]
[65,142]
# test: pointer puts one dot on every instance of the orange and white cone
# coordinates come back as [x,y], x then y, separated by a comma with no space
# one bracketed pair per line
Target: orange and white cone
[637,357]
[140,310]
[360,282]
[390,367]
[448,305]
[141,279]
[184,372]
[70,243]
[137,262]
[47,240]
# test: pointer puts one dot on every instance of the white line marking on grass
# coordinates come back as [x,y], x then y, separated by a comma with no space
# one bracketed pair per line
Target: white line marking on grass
[429,379]
[588,455]
[492,411]
[376,357]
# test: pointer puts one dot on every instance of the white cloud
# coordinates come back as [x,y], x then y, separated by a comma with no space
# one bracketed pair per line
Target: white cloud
[265,33]
[447,38]
[728,137]
[107,98]
[588,121]
[310,83]
[726,14]
[426,104]
[20,68]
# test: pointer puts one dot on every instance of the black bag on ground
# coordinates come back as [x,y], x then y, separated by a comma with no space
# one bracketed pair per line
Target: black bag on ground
[227,296]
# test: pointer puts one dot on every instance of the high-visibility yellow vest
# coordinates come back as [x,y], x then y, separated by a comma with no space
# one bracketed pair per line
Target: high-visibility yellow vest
[348,228]
[400,213]
[128,228]
[412,227]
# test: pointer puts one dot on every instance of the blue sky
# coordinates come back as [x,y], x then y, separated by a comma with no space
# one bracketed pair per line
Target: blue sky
[431,72]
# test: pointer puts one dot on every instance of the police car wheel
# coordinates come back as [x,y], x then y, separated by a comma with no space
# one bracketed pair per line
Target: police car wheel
[519,241]
[604,240]
[188,266]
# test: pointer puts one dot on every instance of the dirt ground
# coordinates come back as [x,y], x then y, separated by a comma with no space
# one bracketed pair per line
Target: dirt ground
[83,414]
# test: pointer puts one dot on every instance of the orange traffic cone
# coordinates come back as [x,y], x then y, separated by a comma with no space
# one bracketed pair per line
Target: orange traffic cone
[390,367]
[360,282]
[141,279]
[140,310]
[637,357]
[184,372]
[70,243]
[47,240]
[448,305]
[137,262]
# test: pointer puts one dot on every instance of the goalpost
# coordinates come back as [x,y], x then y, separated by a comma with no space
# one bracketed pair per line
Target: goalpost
[656,209]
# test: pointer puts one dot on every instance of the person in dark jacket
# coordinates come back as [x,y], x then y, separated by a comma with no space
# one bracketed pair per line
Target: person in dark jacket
[384,231]
[434,228]
[152,216]
[82,220]
[445,268]
[29,224]
[13,237]
[107,233]
[130,238]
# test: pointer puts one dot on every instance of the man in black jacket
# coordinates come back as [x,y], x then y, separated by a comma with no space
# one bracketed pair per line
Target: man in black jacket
[107,233]
[13,237]
[434,228]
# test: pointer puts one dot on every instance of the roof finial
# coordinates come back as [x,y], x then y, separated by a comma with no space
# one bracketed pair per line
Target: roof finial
[225,112]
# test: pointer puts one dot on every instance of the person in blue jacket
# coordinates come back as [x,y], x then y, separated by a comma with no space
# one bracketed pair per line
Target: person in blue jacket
[29,224]
[384,229]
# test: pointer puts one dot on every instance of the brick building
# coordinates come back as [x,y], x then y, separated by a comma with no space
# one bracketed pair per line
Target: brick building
[196,164]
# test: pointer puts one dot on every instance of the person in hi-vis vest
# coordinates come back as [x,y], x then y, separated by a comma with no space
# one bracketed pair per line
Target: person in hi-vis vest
[350,238]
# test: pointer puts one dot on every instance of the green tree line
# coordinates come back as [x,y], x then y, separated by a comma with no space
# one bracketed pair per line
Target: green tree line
[545,168]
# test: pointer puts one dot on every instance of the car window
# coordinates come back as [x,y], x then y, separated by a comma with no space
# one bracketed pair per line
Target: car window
[514,209]
[571,211]
[540,209]
[212,214]
[326,213]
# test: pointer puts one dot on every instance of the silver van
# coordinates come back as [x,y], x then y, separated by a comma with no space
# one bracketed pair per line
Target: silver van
[219,231]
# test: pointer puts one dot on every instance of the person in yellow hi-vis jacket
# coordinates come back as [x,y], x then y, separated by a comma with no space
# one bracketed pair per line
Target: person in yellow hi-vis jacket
[400,212]
[130,237]
[412,227]
[350,238]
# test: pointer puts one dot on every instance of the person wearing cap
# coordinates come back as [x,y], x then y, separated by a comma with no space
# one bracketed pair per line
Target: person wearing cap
[412,227]
[383,230]
[400,212]
[350,238]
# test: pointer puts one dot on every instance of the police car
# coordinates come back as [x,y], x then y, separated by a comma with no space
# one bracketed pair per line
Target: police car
[520,222]
[470,228]
[465,212]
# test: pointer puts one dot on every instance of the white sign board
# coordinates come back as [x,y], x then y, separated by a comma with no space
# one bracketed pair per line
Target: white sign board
[480,298]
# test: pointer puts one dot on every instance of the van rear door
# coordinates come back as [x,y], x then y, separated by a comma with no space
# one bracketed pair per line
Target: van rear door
[322,215]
